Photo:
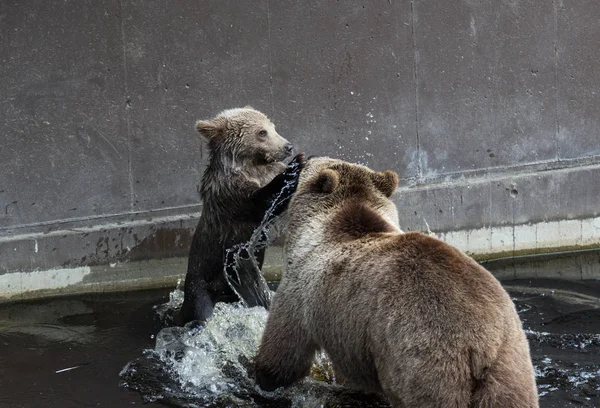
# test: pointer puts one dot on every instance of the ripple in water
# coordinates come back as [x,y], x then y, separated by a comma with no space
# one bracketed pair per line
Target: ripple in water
[565,343]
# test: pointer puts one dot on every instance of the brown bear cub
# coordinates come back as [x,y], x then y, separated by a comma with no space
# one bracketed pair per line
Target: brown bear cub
[402,314]
[243,174]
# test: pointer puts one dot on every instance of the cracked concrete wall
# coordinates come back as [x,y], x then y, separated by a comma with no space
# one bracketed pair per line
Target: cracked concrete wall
[487,109]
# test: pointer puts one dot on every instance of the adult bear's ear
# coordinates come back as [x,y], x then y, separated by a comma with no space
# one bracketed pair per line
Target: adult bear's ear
[326,181]
[211,129]
[386,182]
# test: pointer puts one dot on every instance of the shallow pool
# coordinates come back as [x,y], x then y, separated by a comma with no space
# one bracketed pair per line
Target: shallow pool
[68,352]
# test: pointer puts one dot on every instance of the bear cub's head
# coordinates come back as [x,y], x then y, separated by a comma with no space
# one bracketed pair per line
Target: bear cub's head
[244,135]
[340,200]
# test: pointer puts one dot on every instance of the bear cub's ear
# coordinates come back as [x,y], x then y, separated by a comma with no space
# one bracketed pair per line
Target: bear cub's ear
[386,182]
[326,181]
[212,128]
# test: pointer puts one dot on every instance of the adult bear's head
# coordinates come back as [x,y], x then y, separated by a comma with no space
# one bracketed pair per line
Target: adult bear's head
[340,200]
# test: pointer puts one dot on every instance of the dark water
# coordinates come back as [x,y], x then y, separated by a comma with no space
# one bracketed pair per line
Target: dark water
[562,321]
[100,334]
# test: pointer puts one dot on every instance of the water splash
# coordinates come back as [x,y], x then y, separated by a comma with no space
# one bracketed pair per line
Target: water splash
[241,269]
[212,366]
[208,360]
[167,311]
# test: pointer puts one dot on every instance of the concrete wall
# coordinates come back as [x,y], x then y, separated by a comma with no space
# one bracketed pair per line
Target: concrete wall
[487,109]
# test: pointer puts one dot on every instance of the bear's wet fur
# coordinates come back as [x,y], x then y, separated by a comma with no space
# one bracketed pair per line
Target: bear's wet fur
[243,173]
[401,314]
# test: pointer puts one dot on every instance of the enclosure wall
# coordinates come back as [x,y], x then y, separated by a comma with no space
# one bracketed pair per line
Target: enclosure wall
[488,110]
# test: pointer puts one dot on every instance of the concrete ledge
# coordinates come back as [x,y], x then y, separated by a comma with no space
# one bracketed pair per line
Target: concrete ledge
[87,243]
[102,278]
[574,266]
[115,277]
[558,249]
[517,197]
[489,216]
[527,239]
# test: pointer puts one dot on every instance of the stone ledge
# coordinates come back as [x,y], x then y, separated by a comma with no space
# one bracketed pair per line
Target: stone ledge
[163,273]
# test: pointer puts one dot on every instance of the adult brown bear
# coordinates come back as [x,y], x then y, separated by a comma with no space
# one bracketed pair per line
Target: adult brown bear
[402,314]
[245,171]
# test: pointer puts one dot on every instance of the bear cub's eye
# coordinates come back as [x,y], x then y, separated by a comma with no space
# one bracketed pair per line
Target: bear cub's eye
[262,133]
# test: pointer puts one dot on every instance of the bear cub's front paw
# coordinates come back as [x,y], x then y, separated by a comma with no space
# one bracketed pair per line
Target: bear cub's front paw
[295,166]
[293,170]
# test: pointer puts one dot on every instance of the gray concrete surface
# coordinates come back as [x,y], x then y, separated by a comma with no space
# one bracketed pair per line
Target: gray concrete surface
[487,109]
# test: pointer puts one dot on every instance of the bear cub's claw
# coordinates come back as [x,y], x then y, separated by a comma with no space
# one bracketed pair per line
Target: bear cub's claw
[295,166]
[293,170]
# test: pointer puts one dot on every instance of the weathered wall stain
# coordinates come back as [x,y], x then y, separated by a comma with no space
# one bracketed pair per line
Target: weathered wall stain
[162,243]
